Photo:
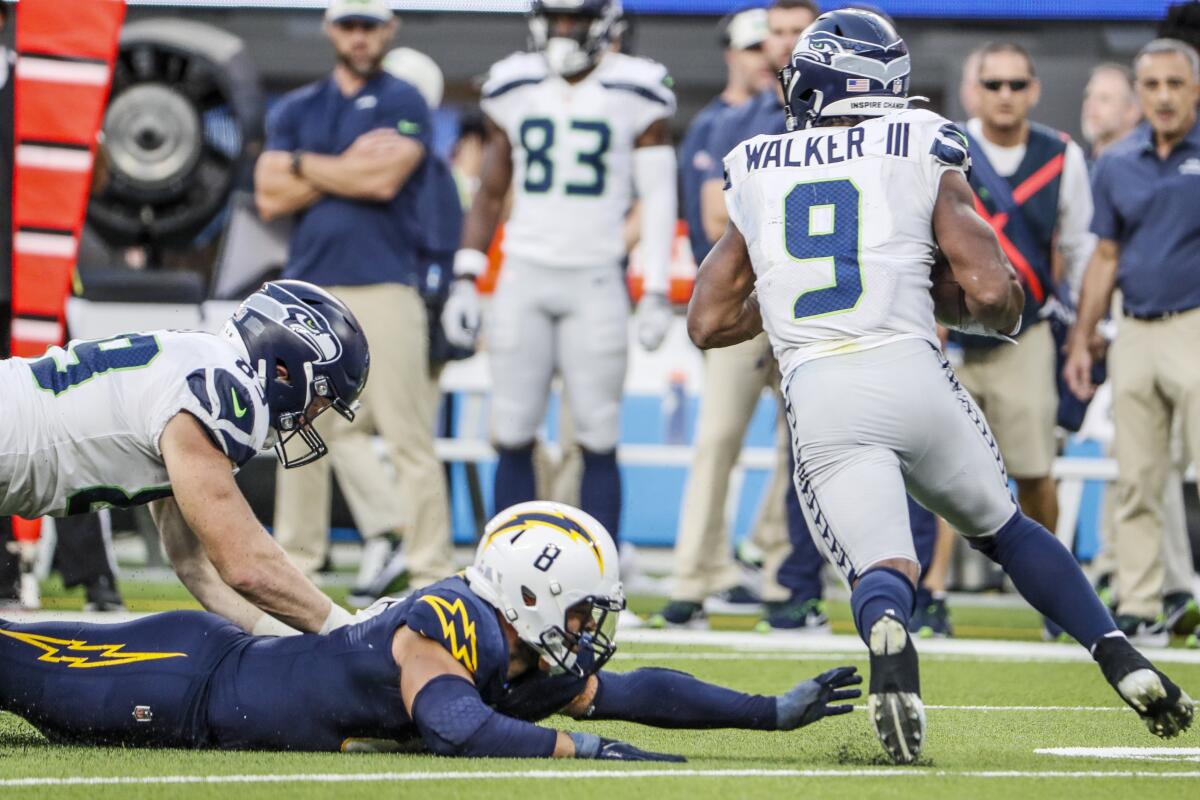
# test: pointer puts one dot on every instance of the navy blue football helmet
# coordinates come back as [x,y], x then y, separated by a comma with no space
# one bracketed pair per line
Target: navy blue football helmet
[601,21]
[848,63]
[323,352]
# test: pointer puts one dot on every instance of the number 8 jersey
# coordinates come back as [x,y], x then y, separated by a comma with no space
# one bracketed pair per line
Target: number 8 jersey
[82,424]
[572,153]
[839,226]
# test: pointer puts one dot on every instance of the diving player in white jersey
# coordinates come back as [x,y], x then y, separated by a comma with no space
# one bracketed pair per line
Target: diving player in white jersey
[575,130]
[832,235]
[166,418]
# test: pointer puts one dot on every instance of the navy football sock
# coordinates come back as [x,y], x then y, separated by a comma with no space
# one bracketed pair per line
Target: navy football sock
[1046,574]
[600,491]
[879,591]
[514,477]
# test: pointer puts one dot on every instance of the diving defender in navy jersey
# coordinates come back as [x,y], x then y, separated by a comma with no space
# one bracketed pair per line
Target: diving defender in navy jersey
[462,667]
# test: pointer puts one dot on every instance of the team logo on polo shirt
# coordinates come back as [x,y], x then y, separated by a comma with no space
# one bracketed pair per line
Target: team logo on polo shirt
[365,102]
[1190,167]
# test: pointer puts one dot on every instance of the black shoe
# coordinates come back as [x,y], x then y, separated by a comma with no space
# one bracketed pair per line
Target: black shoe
[102,595]
[1164,707]
[738,600]
[1180,613]
[894,703]
[795,616]
[1143,632]
[932,621]
[680,614]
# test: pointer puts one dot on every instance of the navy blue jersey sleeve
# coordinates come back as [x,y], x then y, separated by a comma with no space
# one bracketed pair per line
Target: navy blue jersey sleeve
[403,109]
[1105,222]
[283,130]
[449,623]
[723,137]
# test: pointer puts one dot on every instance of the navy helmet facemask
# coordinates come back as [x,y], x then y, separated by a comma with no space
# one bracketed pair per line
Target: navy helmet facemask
[848,63]
[319,344]
[600,22]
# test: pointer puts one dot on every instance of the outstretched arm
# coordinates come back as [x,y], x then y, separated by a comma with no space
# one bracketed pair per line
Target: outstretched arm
[724,309]
[666,698]
[244,555]
[431,681]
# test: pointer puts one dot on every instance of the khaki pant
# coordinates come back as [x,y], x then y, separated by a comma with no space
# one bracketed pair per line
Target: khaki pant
[1014,386]
[734,379]
[1178,569]
[399,402]
[1156,375]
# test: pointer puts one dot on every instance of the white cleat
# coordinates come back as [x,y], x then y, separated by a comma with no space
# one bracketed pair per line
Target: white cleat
[894,703]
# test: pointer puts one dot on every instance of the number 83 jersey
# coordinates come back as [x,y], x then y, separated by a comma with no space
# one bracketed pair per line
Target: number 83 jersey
[82,423]
[572,153]
[839,225]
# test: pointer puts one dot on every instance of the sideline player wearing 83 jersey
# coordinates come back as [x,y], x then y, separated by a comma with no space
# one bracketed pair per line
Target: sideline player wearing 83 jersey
[574,129]
[165,417]
[832,234]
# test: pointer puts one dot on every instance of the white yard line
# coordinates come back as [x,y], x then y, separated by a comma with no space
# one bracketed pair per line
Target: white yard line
[825,644]
[407,777]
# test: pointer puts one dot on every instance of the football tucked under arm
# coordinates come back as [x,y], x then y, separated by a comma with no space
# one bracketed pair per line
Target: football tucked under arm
[950,302]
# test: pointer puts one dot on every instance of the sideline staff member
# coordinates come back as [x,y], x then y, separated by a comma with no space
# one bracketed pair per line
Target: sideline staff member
[1145,189]
[340,153]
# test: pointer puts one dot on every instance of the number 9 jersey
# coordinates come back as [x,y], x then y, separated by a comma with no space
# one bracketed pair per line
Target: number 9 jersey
[839,225]
[82,424]
[572,153]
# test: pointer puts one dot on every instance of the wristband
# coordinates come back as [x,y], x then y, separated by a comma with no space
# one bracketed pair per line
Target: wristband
[587,745]
[297,156]
[338,617]
[469,263]
[269,626]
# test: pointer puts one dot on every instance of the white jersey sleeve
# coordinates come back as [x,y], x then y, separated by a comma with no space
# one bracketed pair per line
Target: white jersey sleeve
[504,95]
[223,394]
[838,224]
[647,85]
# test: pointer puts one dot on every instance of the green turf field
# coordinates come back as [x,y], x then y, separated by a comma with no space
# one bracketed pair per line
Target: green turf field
[988,715]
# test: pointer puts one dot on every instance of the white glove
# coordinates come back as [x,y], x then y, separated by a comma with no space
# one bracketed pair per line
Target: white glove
[460,316]
[979,329]
[653,319]
[375,609]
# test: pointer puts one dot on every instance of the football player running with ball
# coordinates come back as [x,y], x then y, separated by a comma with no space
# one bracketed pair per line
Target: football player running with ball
[576,130]
[832,234]
[166,418]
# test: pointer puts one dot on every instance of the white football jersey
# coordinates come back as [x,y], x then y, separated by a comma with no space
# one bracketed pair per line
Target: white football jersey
[839,226]
[572,153]
[82,424]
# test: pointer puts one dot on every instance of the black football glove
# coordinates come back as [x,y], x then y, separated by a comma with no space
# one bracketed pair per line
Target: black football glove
[589,745]
[810,701]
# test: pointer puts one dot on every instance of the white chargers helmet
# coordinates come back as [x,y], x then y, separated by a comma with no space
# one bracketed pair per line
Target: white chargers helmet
[539,563]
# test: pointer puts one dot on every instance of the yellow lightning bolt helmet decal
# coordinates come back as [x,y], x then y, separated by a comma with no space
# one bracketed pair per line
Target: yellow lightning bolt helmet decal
[447,613]
[556,521]
[105,655]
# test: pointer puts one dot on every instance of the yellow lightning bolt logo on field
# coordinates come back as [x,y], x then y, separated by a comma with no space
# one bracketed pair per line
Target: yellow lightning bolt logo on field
[81,655]
[447,613]
[556,521]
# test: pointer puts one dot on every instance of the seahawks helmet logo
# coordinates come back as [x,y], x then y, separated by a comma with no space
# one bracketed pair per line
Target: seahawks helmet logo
[848,56]
[304,322]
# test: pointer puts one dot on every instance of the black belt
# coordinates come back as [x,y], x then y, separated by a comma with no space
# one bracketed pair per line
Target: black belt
[1158,315]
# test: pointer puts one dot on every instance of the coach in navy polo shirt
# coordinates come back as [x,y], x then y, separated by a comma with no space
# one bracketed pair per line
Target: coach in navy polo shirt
[340,154]
[1146,218]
